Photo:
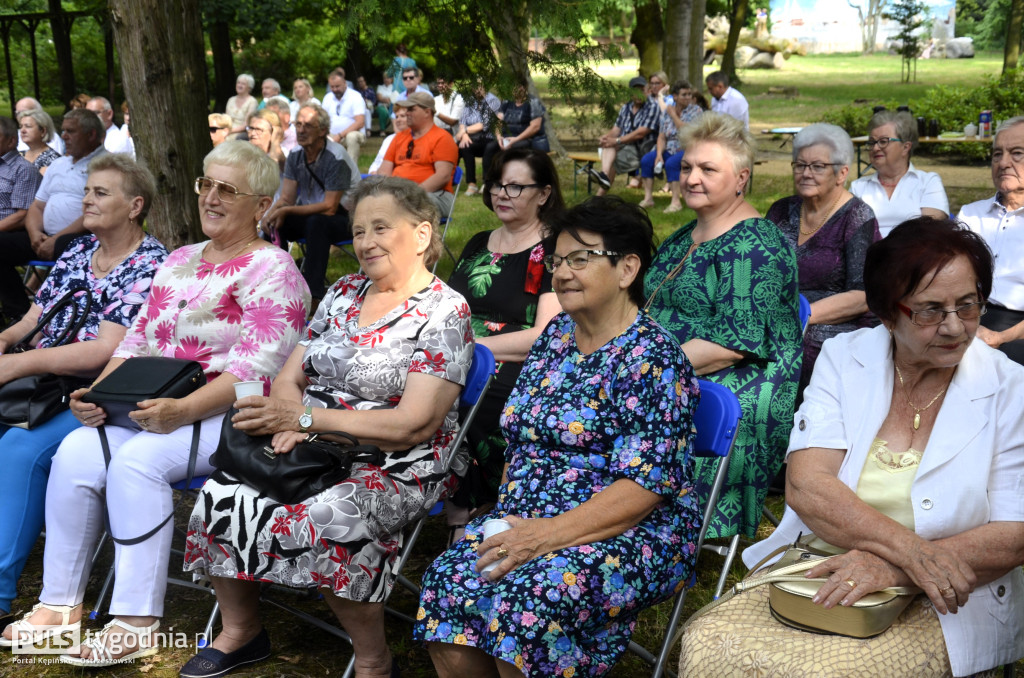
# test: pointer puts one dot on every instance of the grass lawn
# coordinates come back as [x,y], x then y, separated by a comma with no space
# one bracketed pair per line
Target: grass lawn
[823,82]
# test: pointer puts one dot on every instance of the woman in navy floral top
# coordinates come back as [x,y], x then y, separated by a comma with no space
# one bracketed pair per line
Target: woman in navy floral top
[114,266]
[598,482]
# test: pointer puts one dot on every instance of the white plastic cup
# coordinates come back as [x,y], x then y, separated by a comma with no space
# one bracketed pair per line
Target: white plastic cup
[491,528]
[248,388]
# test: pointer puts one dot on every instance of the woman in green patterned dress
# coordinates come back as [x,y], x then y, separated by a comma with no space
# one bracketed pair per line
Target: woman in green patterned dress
[726,286]
[501,273]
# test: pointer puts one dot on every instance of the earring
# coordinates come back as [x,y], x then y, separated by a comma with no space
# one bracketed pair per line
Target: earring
[739,191]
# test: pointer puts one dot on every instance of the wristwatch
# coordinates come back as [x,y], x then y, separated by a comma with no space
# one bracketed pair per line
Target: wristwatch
[306,419]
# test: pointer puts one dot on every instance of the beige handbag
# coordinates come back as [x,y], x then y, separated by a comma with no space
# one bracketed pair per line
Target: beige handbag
[790,595]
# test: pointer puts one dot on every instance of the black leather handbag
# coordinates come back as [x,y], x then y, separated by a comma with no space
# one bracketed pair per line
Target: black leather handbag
[143,378]
[311,467]
[33,400]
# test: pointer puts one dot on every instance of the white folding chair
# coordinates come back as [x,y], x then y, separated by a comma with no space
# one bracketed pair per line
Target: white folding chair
[716,421]
[447,219]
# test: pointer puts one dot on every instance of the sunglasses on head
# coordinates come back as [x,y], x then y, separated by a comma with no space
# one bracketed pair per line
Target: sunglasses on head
[408,151]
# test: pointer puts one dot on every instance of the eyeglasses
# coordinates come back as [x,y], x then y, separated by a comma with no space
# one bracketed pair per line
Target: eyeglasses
[881,143]
[511,190]
[408,77]
[258,130]
[228,192]
[214,130]
[936,316]
[815,167]
[575,260]
[1016,155]
[408,151]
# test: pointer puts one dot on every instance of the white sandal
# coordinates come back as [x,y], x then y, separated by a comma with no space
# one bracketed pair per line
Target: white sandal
[24,633]
[100,654]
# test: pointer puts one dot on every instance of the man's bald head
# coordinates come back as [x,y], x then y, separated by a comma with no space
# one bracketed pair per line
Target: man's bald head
[27,104]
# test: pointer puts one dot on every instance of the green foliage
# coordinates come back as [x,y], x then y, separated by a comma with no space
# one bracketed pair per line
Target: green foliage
[983,20]
[910,15]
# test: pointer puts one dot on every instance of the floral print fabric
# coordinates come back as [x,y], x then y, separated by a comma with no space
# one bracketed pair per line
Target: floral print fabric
[243,316]
[576,423]
[347,537]
[116,297]
[739,291]
[503,291]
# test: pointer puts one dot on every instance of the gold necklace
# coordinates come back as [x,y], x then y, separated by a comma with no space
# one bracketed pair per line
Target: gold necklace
[828,214]
[116,259]
[243,248]
[906,394]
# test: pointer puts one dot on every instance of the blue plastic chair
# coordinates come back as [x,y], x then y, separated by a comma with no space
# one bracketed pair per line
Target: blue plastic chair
[716,421]
[805,313]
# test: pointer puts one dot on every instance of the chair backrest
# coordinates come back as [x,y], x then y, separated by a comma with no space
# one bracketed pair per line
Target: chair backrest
[717,421]
[479,377]
[457,176]
[805,313]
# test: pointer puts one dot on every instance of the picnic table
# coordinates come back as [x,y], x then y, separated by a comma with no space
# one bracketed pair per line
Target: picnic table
[582,163]
[787,133]
[860,142]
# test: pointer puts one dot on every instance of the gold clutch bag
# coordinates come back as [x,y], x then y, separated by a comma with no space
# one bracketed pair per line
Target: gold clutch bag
[790,594]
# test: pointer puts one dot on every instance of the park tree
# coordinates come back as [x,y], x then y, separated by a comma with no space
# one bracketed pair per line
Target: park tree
[869,16]
[1014,25]
[648,35]
[684,40]
[161,47]
[909,15]
[737,18]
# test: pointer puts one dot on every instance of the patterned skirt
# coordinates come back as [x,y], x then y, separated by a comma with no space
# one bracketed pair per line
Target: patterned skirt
[346,538]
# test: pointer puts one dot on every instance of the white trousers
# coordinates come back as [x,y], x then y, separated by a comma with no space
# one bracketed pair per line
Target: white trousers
[137,497]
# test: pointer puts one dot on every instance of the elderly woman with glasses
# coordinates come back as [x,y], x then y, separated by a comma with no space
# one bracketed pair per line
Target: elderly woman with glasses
[235,304]
[906,461]
[598,481]
[264,130]
[830,229]
[898,191]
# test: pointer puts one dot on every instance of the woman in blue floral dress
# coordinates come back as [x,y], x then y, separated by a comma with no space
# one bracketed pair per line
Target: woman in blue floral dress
[725,285]
[598,481]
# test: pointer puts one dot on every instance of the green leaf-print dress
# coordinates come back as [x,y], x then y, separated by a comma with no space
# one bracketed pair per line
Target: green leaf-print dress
[739,290]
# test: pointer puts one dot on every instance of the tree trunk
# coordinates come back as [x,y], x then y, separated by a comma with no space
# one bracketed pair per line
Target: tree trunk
[160,43]
[1011,52]
[696,72]
[677,39]
[62,45]
[736,21]
[223,64]
[648,35]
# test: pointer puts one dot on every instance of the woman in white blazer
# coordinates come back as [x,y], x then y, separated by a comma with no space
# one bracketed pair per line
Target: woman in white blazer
[907,457]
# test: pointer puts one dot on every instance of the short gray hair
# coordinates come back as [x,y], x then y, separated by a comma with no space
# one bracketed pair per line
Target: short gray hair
[727,132]
[136,180]
[718,77]
[103,102]
[411,199]
[832,137]
[323,118]
[87,122]
[261,172]
[273,82]
[1008,124]
[906,126]
[248,80]
[44,121]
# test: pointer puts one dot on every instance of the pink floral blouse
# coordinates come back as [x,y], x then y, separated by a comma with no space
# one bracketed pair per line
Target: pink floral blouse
[243,316]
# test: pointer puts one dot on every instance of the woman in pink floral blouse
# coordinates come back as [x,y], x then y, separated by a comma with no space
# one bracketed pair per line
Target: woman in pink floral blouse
[235,304]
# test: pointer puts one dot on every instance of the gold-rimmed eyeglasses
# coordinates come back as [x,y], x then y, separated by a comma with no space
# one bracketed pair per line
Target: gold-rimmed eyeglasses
[228,192]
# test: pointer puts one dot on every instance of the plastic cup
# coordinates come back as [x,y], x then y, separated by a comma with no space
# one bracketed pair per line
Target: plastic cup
[248,388]
[491,528]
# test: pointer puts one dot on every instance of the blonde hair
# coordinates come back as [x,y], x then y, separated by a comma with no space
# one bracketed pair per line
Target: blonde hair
[727,132]
[219,120]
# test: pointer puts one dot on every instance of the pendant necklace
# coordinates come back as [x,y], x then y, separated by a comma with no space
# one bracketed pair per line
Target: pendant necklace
[917,410]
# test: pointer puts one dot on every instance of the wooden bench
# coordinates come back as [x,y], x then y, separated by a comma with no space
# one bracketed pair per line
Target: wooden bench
[582,163]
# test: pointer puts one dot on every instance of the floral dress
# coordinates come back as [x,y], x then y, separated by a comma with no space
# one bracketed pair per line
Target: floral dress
[347,537]
[243,316]
[116,297]
[739,291]
[576,423]
[502,291]
[830,262]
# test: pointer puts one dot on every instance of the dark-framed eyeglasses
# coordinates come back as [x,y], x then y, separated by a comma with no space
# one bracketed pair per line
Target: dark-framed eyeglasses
[576,260]
[930,317]
[408,150]
[228,192]
[881,143]
[817,168]
[214,130]
[511,190]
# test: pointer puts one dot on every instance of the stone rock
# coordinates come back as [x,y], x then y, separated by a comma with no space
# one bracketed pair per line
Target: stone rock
[960,48]
[744,53]
[766,60]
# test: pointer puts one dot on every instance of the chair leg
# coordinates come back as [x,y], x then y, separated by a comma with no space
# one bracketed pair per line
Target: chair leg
[733,548]
[670,632]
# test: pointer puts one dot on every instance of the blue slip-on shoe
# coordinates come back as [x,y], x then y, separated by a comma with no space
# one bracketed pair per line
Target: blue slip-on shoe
[210,663]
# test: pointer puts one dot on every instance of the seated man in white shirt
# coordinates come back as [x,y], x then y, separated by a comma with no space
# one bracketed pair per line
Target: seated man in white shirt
[115,140]
[348,113]
[448,105]
[1000,221]
[726,99]
[28,104]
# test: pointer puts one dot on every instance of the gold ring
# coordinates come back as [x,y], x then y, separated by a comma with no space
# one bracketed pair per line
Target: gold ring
[946,591]
[144,423]
[502,552]
[852,583]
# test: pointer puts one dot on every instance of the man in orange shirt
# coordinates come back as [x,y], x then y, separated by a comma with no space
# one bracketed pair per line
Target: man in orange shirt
[423,153]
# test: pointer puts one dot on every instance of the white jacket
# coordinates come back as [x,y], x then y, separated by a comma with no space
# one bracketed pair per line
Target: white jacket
[971,472]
